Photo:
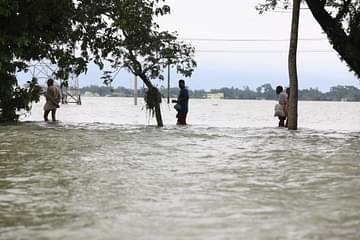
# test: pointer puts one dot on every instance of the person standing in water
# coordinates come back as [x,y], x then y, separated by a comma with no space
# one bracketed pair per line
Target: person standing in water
[63,89]
[182,103]
[53,97]
[280,110]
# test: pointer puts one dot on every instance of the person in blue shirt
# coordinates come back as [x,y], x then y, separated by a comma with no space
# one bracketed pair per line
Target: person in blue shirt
[183,101]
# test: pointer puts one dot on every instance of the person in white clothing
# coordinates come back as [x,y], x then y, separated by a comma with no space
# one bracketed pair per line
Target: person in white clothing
[280,108]
[53,97]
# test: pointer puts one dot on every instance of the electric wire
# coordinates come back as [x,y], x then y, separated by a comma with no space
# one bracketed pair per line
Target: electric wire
[198,39]
[262,51]
[247,39]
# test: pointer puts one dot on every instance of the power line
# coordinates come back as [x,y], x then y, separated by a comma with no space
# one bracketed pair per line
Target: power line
[263,51]
[248,39]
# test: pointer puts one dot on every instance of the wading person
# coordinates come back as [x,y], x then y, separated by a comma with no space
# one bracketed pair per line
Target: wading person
[63,89]
[280,110]
[53,97]
[182,103]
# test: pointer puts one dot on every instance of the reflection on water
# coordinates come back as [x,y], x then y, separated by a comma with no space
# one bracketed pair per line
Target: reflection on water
[115,181]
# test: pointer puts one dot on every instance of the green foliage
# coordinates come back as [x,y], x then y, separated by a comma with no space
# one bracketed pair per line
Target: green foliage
[17,98]
[271,5]
[345,12]
[122,32]
[23,97]
[265,92]
[339,19]
[141,48]
[348,93]
[31,31]
[152,97]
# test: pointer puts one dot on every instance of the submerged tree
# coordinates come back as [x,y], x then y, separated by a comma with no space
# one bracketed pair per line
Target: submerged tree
[292,64]
[30,30]
[143,50]
[123,32]
[340,20]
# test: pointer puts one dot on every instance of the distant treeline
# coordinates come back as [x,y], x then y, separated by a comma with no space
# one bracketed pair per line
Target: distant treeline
[266,91]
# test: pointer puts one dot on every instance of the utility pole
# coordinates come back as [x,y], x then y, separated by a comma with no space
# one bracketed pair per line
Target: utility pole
[135,91]
[168,96]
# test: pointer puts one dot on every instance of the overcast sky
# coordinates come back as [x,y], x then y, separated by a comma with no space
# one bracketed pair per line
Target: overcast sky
[253,63]
[245,63]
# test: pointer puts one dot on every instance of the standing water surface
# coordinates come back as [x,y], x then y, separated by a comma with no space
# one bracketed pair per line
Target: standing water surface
[102,173]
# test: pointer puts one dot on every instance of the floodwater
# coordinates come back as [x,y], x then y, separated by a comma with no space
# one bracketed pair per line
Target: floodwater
[103,172]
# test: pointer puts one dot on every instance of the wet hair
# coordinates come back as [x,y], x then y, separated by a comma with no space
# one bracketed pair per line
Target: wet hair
[279,89]
[50,81]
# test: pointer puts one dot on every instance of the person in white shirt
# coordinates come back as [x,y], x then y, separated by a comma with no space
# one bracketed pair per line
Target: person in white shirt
[280,108]
[53,97]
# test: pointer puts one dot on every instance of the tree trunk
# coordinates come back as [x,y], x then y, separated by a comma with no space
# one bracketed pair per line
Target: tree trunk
[7,110]
[157,99]
[158,115]
[342,43]
[7,82]
[293,78]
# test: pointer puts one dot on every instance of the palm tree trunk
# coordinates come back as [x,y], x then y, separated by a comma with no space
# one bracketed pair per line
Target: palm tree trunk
[293,78]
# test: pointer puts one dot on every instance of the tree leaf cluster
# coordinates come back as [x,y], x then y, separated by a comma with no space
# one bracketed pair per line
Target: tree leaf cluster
[73,33]
[339,19]
[263,92]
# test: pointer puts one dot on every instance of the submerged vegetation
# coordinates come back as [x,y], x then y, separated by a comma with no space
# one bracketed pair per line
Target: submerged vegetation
[339,19]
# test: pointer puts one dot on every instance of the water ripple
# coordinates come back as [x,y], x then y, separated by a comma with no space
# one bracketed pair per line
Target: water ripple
[101,181]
